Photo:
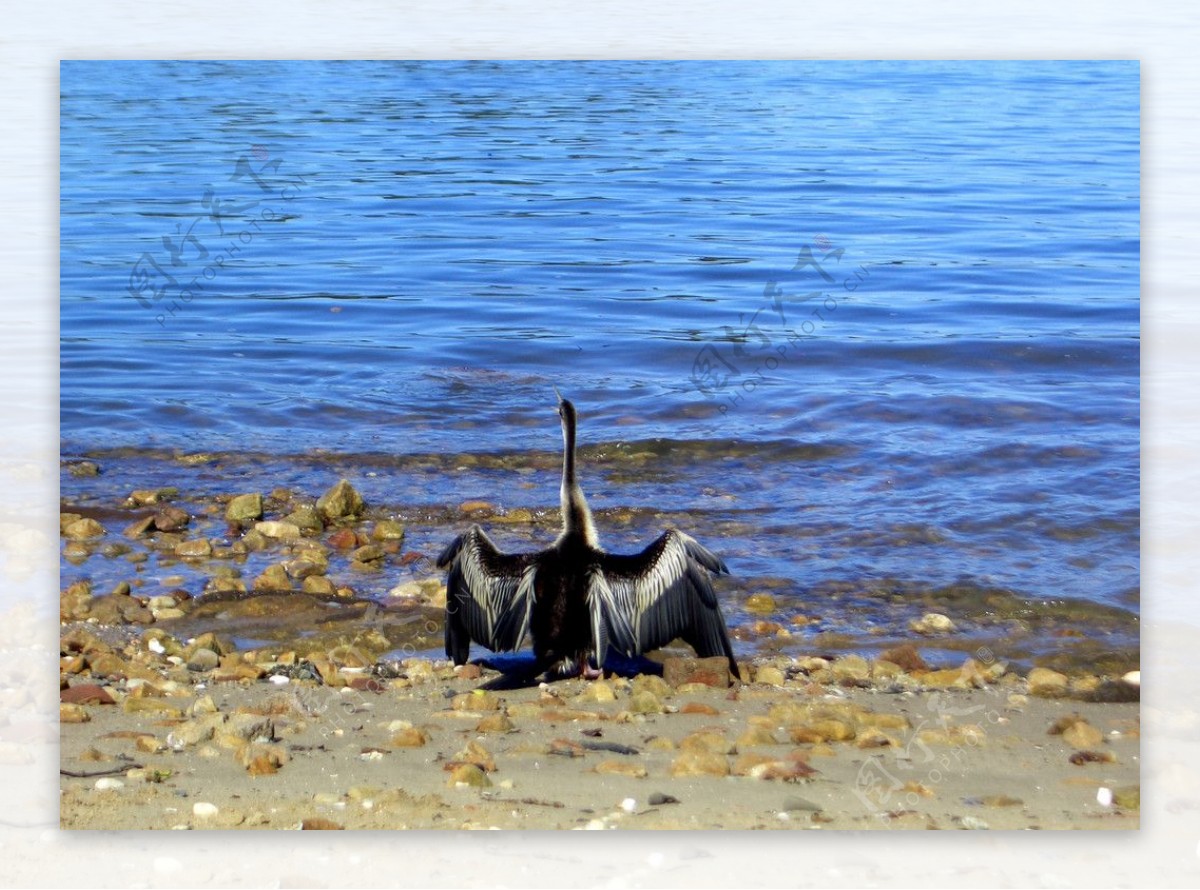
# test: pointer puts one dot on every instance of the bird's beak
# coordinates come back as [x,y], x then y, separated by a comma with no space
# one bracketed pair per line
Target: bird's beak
[557,393]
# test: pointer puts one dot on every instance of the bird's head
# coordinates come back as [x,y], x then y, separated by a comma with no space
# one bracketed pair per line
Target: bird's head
[566,411]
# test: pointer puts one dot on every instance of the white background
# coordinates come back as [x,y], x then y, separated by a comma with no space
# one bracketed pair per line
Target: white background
[33,38]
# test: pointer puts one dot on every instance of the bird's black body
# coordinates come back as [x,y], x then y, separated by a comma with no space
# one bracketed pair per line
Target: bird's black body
[574,599]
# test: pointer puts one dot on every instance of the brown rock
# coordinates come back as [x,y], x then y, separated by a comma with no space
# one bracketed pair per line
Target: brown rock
[171,519]
[468,775]
[340,502]
[712,671]
[1082,736]
[695,707]
[73,713]
[83,529]
[343,539]
[197,549]
[707,741]
[273,579]
[851,667]
[906,657]
[645,702]
[1046,683]
[621,768]
[244,508]
[699,762]
[86,693]
[476,754]
[140,528]
[318,585]
[495,723]
[319,824]
[760,604]
[756,736]
[410,737]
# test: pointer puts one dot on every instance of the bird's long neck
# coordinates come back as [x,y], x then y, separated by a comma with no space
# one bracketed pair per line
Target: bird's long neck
[577,518]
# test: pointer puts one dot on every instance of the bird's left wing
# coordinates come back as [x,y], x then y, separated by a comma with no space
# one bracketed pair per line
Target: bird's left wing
[489,595]
[664,592]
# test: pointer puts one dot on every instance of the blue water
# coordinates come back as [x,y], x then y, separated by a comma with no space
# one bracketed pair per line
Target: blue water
[415,253]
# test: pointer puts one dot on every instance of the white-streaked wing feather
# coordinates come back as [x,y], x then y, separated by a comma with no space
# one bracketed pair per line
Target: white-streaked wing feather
[489,595]
[660,594]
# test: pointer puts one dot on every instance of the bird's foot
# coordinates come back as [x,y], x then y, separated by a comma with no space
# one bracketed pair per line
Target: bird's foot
[590,673]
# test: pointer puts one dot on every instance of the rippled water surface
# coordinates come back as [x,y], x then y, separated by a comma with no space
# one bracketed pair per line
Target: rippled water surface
[853,324]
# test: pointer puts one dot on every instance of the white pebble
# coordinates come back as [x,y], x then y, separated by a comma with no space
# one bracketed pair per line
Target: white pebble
[1133,678]
[279,679]
[629,805]
[204,810]
[156,647]
[109,784]
[1104,797]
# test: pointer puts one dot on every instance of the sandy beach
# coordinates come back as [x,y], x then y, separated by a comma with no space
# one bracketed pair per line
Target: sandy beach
[818,745]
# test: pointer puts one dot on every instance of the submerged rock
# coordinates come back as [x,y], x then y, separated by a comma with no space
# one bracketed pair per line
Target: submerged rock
[245,508]
[340,502]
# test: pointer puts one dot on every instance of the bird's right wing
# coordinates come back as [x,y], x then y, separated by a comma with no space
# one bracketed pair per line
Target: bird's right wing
[489,595]
[664,592]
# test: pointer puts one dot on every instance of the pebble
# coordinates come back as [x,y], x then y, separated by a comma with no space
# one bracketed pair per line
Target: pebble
[658,799]
[197,549]
[760,604]
[645,702]
[699,762]
[1082,736]
[629,805]
[851,667]
[410,737]
[679,671]
[1104,797]
[932,623]
[278,529]
[83,529]
[244,508]
[621,768]
[204,810]
[70,713]
[770,675]
[340,501]
[203,660]
[1045,683]
[388,530]
[171,519]
[468,775]
[108,783]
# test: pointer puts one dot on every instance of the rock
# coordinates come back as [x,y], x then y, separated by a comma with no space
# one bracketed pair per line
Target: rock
[388,530]
[410,737]
[770,675]
[1045,683]
[193,732]
[282,531]
[273,579]
[145,497]
[1113,691]
[712,671]
[83,468]
[597,691]
[495,723]
[756,736]
[620,768]
[477,508]
[204,810]
[83,529]
[319,824]
[75,602]
[706,741]
[851,667]
[171,519]
[760,604]
[86,693]
[906,657]
[699,762]
[341,501]
[307,519]
[658,799]
[479,700]
[932,623]
[343,539]
[197,549]
[108,783]
[245,508]
[1129,797]
[319,585]
[645,702]
[1082,736]
[468,775]
[368,553]
[475,753]
[695,707]
[72,713]
[149,744]
[203,660]
[140,528]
